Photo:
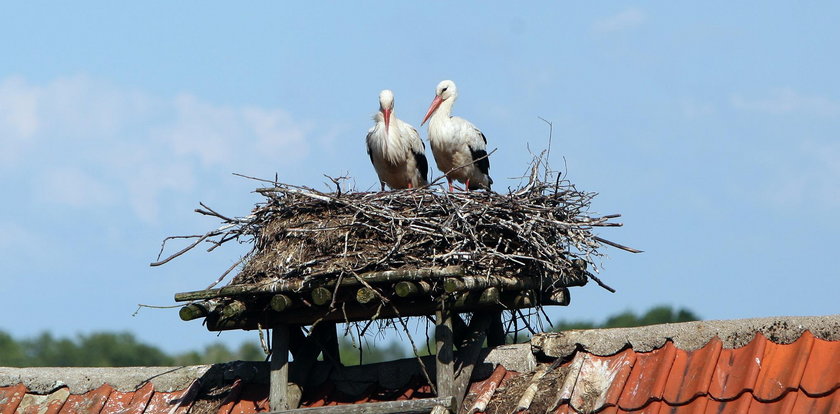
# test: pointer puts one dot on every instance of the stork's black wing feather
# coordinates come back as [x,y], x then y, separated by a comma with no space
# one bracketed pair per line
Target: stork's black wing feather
[482,161]
[368,151]
[422,165]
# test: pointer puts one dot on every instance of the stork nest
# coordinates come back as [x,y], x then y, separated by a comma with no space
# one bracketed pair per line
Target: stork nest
[541,229]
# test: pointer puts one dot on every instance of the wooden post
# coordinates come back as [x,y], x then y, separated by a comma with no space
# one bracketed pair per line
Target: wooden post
[469,353]
[496,331]
[279,377]
[445,368]
[326,339]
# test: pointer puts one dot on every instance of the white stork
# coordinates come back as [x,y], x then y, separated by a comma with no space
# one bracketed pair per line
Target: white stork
[460,149]
[395,149]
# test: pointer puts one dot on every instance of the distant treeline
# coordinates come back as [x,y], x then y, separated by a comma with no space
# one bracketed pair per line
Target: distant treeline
[106,349]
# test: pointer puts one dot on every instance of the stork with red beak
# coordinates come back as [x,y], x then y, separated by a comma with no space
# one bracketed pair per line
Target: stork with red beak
[460,149]
[395,149]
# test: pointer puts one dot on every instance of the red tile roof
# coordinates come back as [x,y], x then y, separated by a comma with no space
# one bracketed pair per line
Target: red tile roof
[761,377]
[784,370]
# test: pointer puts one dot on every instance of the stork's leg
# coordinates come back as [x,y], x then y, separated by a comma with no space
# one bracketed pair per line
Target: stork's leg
[382,185]
[410,186]
[467,185]
[451,188]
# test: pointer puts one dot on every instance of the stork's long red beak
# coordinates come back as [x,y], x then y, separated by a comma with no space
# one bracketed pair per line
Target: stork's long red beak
[387,113]
[432,108]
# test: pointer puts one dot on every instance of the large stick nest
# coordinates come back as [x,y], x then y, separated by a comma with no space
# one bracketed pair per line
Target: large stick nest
[542,229]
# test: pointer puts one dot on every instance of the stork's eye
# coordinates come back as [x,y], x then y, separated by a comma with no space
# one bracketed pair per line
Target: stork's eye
[444,89]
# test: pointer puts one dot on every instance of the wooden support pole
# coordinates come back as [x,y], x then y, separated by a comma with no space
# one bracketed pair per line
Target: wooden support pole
[496,331]
[468,356]
[326,338]
[445,368]
[279,377]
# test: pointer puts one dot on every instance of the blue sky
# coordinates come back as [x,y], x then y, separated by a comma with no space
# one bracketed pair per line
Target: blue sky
[713,130]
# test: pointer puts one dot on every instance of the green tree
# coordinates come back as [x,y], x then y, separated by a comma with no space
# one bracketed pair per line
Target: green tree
[656,315]
[11,352]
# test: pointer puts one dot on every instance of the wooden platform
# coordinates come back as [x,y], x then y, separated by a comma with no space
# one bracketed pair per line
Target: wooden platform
[285,306]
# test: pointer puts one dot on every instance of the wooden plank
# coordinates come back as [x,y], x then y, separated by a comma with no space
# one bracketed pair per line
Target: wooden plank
[279,377]
[445,368]
[296,285]
[424,405]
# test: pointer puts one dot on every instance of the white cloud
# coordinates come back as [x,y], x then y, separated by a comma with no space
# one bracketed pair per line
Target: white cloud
[95,144]
[804,177]
[693,108]
[18,117]
[73,187]
[14,235]
[787,100]
[624,20]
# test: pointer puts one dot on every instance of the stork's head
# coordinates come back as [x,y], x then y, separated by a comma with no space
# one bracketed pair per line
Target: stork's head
[386,105]
[445,90]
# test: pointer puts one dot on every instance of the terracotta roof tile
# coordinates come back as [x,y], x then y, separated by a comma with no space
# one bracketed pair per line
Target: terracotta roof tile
[118,402]
[648,377]
[140,399]
[10,398]
[825,404]
[739,405]
[170,402]
[822,374]
[782,367]
[783,405]
[232,397]
[695,406]
[90,402]
[254,398]
[691,373]
[761,377]
[43,404]
[601,380]
[737,369]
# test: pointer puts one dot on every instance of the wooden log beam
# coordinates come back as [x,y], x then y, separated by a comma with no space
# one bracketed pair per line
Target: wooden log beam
[352,311]
[466,283]
[365,295]
[280,302]
[559,297]
[290,285]
[321,296]
[407,289]
[424,405]
[193,311]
